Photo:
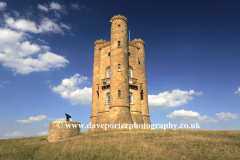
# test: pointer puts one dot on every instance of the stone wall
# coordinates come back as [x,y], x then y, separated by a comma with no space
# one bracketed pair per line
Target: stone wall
[59,131]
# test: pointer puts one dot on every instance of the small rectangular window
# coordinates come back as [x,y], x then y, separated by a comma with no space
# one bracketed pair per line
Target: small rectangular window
[130,98]
[119,93]
[141,95]
[108,98]
[108,73]
[118,43]
[119,67]
[129,73]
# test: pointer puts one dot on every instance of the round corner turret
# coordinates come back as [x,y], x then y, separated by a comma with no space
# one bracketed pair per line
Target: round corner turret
[136,41]
[122,17]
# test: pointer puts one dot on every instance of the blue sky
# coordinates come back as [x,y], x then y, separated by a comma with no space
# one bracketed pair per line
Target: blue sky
[46,60]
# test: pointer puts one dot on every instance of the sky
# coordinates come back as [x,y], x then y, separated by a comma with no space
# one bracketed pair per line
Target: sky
[46,61]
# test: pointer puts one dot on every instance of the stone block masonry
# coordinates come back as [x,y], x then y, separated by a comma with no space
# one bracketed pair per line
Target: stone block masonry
[59,131]
[119,90]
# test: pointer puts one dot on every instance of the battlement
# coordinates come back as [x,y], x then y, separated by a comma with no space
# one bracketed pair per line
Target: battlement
[138,41]
[119,17]
[108,43]
[132,44]
[101,41]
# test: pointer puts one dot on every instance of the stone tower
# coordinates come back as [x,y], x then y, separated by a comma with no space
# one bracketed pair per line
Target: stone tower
[119,91]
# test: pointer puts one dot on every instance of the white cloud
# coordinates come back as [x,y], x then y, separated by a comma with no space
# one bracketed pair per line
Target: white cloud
[21,24]
[45,48]
[75,6]
[65,26]
[188,117]
[62,119]
[211,120]
[55,6]
[28,49]
[69,90]
[16,13]
[43,133]
[14,134]
[22,56]
[165,100]
[43,8]
[1,86]
[41,40]
[57,14]
[46,25]
[5,81]
[227,116]
[45,125]
[44,62]
[2,6]
[238,91]
[16,54]
[9,38]
[82,6]
[33,119]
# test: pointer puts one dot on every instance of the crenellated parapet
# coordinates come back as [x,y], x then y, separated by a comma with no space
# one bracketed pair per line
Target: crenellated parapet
[132,44]
[108,43]
[138,41]
[119,17]
[101,41]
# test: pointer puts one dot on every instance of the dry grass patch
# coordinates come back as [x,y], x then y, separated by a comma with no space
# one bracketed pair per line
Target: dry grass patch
[142,144]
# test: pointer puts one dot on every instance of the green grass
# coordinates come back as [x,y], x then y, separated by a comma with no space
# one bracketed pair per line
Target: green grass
[141,144]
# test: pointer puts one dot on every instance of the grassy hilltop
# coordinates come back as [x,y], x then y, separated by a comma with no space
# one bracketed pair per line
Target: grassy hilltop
[148,144]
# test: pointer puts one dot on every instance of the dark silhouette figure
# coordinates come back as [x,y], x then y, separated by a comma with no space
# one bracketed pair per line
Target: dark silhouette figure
[67,117]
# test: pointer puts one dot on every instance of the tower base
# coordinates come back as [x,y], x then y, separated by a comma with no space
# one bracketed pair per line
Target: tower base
[119,115]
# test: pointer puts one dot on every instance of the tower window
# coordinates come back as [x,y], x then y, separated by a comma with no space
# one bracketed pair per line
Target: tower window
[141,95]
[119,25]
[108,73]
[108,98]
[129,54]
[119,93]
[138,62]
[129,73]
[98,92]
[119,67]
[118,43]
[109,53]
[130,98]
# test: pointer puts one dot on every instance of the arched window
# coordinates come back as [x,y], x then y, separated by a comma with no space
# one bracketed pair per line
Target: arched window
[109,53]
[108,98]
[119,93]
[118,43]
[119,67]
[130,98]
[129,73]
[108,73]
[129,54]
